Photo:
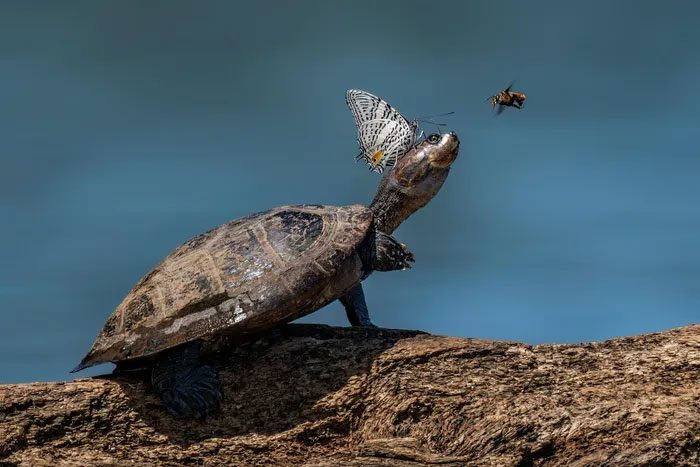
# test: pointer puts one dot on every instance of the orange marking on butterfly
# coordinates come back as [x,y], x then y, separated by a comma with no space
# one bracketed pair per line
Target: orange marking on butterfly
[377,157]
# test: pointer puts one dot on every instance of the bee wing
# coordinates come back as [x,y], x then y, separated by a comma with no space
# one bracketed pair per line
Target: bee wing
[500,109]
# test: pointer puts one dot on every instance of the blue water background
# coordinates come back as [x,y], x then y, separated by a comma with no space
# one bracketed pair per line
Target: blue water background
[128,127]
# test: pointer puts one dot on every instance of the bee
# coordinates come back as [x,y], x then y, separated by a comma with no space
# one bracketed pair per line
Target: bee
[508,98]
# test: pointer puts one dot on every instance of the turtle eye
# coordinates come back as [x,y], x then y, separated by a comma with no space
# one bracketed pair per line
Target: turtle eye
[434,138]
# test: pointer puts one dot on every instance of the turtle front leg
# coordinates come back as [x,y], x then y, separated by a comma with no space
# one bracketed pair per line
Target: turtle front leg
[188,388]
[382,252]
[378,252]
[356,307]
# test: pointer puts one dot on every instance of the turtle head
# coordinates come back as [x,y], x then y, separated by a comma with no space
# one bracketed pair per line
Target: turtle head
[414,180]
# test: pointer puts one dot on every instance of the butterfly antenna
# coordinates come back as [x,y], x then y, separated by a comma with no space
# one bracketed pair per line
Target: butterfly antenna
[429,119]
[434,123]
[433,116]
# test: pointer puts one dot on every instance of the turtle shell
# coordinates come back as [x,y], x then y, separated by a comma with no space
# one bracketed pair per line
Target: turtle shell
[242,277]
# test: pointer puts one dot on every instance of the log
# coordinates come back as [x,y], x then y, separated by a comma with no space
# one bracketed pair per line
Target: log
[321,396]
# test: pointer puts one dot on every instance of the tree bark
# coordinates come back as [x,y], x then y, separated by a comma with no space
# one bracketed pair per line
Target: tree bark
[320,396]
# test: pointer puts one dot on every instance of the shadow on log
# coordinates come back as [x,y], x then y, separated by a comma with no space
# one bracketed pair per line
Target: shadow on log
[320,396]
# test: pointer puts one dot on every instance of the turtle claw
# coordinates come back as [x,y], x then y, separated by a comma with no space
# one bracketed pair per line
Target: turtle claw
[408,259]
[405,258]
[387,254]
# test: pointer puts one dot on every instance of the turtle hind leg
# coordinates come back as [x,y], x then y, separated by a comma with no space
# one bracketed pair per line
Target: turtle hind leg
[188,388]
[356,307]
[382,252]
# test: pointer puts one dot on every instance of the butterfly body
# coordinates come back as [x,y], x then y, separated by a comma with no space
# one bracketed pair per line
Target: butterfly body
[383,133]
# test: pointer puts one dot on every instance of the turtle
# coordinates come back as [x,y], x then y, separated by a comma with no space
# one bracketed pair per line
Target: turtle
[248,276]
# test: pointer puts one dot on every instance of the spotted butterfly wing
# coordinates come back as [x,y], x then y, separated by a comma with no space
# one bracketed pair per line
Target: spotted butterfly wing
[382,142]
[383,133]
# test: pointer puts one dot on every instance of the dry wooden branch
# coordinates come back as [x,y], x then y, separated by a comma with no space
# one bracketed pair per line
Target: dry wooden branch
[322,396]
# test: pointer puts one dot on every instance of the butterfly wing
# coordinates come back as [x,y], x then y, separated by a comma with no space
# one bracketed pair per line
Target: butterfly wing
[383,141]
[383,133]
[365,107]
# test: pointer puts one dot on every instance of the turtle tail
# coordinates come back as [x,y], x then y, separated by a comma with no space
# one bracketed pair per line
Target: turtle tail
[86,362]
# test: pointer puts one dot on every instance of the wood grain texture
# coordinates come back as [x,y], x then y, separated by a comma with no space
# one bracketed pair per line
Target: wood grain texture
[321,396]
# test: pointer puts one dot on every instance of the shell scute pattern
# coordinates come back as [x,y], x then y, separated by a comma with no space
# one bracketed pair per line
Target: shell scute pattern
[137,310]
[291,233]
[243,276]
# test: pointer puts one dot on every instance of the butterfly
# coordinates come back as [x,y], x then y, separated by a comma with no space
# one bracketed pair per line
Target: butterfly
[383,133]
